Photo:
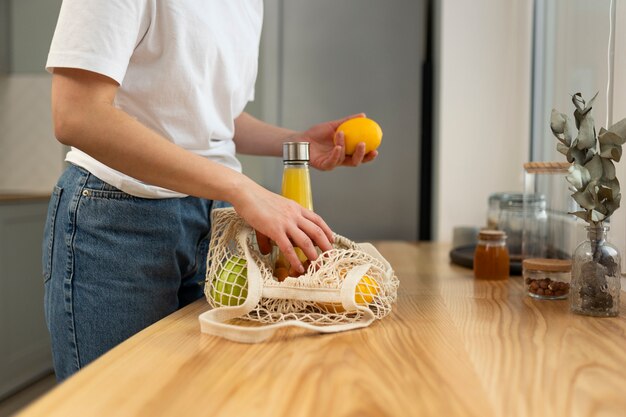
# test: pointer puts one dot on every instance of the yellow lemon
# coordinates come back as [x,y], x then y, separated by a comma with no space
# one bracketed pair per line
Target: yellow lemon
[230,287]
[364,294]
[365,291]
[360,129]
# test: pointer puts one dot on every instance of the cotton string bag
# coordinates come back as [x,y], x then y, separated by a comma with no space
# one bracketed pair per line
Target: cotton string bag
[347,287]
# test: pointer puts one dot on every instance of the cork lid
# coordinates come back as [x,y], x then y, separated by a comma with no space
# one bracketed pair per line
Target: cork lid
[491,235]
[549,265]
[547,167]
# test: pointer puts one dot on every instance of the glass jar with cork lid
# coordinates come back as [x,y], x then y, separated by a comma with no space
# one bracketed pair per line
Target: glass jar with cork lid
[491,257]
[547,279]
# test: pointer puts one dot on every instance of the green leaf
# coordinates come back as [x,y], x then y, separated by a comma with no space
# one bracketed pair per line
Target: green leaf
[575,155]
[619,129]
[606,137]
[559,124]
[608,168]
[585,199]
[579,102]
[613,152]
[594,166]
[612,205]
[579,177]
[589,154]
[582,214]
[596,216]
[590,102]
[586,135]
[562,148]
[613,185]
[605,194]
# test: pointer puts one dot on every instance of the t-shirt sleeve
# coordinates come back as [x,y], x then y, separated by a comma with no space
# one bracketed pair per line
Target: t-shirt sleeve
[98,36]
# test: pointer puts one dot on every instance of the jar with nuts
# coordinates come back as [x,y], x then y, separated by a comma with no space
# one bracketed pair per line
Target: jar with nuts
[547,279]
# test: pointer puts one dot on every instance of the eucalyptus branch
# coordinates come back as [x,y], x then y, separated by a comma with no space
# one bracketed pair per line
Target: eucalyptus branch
[592,174]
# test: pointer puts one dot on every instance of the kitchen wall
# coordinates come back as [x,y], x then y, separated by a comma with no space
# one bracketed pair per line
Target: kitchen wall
[485,58]
[484,91]
[576,60]
[30,157]
[618,223]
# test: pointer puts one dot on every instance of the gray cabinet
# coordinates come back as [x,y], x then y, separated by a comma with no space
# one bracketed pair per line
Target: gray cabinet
[24,341]
[4,36]
[26,28]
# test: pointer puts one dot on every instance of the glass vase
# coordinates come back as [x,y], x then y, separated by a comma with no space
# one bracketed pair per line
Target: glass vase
[596,270]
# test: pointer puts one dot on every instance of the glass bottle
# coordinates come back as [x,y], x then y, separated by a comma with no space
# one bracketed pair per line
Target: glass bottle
[596,272]
[296,186]
[491,257]
[296,179]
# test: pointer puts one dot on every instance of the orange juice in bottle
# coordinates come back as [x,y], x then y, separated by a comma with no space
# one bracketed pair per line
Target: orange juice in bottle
[296,185]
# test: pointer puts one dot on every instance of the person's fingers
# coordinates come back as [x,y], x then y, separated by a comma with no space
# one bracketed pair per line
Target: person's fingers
[303,241]
[286,247]
[335,158]
[359,153]
[320,224]
[340,139]
[335,123]
[370,156]
[265,245]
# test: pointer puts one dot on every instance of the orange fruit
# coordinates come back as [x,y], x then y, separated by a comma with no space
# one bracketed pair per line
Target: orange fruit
[360,129]
[364,294]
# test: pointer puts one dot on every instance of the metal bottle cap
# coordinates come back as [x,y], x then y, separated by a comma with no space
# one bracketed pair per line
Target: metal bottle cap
[296,151]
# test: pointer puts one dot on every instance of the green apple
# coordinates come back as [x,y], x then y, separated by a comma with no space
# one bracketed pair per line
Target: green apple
[230,287]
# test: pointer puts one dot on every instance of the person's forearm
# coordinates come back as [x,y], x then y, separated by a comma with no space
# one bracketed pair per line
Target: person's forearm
[122,143]
[255,137]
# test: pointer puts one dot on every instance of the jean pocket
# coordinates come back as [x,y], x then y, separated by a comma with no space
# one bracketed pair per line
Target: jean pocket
[107,193]
[48,233]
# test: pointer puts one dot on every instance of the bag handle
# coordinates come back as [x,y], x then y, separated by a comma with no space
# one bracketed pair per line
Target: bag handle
[214,322]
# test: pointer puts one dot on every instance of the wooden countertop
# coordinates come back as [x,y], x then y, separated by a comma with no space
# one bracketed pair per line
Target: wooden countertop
[453,346]
[14,197]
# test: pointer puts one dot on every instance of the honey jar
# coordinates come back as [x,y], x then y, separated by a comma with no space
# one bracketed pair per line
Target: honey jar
[491,257]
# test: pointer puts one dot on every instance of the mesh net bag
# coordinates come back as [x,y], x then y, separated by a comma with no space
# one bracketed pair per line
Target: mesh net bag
[345,288]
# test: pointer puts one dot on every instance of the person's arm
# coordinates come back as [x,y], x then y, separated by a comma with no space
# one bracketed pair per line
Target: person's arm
[255,137]
[84,117]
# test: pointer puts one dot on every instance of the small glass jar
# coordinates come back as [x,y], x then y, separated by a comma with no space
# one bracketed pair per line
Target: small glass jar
[547,279]
[491,257]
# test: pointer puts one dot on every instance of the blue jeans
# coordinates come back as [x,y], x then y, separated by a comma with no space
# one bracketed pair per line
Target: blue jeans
[114,264]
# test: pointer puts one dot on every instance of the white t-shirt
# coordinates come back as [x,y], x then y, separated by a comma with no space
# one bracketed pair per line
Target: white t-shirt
[186,69]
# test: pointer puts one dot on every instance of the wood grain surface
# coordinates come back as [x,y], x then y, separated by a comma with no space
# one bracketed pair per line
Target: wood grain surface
[452,347]
[6,197]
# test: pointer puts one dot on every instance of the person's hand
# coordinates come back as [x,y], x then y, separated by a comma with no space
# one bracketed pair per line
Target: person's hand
[278,219]
[325,154]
